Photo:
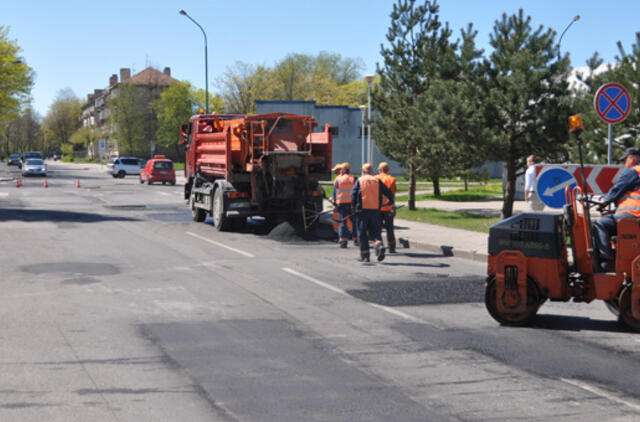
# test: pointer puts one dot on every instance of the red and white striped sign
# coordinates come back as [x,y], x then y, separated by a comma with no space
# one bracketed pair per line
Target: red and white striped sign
[600,178]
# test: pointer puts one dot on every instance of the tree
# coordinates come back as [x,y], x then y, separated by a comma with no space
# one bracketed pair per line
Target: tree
[16,78]
[25,132]
[62,119]
[176,105]
[242,84]
[126,119]
[83,138]
[526,97]
[411,63]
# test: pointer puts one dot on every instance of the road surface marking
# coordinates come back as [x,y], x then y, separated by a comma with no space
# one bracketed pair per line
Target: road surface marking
[222,245]
[4,194]
[164,193]
[337,290]
[600,392]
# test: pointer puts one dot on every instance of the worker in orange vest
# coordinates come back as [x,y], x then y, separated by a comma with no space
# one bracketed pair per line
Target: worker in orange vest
[387,211]
[366,197]
[342,199]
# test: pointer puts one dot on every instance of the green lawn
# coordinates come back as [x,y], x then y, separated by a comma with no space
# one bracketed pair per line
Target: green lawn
[458,220]
[475,193]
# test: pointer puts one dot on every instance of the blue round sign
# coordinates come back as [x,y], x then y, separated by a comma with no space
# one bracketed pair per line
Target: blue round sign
[550,186]
[612,102]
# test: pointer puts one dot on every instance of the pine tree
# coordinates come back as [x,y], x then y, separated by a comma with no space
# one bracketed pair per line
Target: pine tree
[418,51]
[526,97]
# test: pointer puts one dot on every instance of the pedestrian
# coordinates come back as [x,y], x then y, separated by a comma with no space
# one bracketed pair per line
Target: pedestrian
[366,200]
[626,194]
[341,198]
[386,210]
[530,194]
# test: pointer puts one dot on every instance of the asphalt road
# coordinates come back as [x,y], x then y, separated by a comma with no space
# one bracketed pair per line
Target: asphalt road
[115,306]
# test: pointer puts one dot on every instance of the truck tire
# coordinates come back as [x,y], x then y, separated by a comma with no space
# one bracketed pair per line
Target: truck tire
[221,222]
[198,214]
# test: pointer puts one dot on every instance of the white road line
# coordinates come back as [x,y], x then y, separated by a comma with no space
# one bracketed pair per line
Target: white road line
[337,290]
[600,392]
[164,193]
[4,194]
[213,242]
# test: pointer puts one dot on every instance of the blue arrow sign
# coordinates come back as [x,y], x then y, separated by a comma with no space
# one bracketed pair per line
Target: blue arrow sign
[550,186]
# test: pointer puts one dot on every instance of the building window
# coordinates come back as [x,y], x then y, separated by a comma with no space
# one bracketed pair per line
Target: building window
[366,131]
[334,130]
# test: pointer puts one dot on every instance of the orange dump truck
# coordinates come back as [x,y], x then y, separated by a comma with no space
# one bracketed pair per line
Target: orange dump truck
[265,165]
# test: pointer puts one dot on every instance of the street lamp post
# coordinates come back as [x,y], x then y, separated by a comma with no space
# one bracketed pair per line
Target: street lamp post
[363,109]
[369,80]
[206,63]
[576,18]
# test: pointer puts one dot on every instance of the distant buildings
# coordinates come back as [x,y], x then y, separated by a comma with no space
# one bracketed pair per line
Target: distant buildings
[95,112]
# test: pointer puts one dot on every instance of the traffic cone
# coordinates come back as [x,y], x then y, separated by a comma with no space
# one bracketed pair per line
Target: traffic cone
[46,185]
[18,182]
[78,184]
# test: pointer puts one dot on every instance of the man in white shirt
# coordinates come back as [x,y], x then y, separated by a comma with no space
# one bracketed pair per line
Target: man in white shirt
[530,194]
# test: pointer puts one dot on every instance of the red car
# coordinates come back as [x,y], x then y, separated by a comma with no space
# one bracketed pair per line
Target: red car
[158,169]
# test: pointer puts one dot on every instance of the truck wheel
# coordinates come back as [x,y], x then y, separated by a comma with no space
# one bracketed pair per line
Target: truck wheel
[198,214]
[524,318]
[221,222]
[625,309]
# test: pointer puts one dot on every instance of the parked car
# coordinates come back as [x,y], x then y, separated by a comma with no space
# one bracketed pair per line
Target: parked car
[14,160]
[158,169]
[122,166]
[34,167]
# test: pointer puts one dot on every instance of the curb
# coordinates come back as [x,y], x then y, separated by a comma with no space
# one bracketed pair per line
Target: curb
[449,251]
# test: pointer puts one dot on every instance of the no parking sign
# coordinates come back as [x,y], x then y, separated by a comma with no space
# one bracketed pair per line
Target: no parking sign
[612,102]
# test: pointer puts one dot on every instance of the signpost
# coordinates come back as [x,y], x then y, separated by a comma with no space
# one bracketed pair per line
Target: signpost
[613,104]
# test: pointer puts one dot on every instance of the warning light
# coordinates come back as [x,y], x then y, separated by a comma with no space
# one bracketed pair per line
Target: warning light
[575,124]
[201,111]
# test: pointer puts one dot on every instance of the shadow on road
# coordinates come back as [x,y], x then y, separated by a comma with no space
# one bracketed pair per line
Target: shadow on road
[414,293]
[576,323]
[56,216]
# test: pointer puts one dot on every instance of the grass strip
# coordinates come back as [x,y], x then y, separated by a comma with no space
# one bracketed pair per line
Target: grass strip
[475,193]
[457,220]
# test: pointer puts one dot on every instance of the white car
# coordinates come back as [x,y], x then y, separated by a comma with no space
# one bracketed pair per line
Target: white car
[122,166]
[34,167]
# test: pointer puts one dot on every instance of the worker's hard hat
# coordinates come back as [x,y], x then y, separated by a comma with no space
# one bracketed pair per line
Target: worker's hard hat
[383,166]
[336,167]
[346,166]
[367,168]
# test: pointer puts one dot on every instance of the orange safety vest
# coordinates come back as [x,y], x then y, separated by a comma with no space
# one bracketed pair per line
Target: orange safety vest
[630,201]
[345,185]
[370,192]
[390,182]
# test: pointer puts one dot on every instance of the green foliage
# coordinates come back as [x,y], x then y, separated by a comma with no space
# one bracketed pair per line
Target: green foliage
[126,119]
[62,119]
[67,150]
[526,98]
[16,78]
[327,78]
[83,137]
[176,104]
[475,193]
[25,132]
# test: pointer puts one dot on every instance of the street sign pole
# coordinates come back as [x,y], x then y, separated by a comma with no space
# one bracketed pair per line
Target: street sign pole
[610,155]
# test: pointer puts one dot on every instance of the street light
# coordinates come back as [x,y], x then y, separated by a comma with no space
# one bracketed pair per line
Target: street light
[576,18]
[363,109]
[206,63]
[369,80]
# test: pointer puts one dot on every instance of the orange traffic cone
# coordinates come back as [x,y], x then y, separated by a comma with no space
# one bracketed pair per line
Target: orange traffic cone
[18,182]
[78,184]
[46,185]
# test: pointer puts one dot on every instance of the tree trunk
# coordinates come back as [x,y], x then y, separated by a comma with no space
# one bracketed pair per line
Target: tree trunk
[510,189]
[436,186]
[412,187]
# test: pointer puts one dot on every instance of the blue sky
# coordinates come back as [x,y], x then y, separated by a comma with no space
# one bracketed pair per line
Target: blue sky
[79,44]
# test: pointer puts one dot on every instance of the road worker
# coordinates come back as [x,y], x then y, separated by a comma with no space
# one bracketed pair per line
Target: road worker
[341,198]
[625,193]
[366,197]
[387,212]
